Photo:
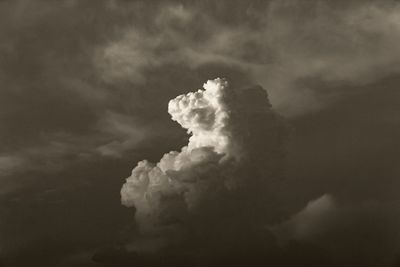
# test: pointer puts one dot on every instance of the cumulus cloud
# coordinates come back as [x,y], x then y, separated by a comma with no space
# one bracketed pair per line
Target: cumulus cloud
[225,168]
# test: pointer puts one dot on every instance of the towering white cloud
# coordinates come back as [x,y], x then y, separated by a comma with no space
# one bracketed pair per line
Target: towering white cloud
[205,115]
[227,160]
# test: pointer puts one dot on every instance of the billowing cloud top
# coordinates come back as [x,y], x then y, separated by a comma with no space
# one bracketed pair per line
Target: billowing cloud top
[206,116]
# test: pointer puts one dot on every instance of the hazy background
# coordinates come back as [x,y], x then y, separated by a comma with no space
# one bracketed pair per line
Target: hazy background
[84,87]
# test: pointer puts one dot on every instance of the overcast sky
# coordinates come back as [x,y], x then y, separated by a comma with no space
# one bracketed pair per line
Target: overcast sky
[84,89]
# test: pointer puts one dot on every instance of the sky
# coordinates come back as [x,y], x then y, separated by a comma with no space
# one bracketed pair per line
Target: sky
[84,93]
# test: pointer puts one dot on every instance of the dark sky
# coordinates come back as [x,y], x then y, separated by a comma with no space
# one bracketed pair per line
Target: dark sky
[84,88]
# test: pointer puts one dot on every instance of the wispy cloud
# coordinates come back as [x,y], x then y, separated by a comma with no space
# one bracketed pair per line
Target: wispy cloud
[296,48]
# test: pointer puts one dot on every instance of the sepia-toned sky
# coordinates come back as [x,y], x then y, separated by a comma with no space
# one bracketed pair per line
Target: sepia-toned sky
[84,89]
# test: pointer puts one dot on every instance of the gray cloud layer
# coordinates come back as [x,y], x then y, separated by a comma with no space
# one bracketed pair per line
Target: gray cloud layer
[84,86]
[284,46]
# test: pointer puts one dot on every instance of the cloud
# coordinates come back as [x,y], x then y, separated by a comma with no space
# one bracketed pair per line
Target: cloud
[125,134]
[206,116]
[293,48]
[226,172]
[305,225]
[358,233]
[92,88]
[8,163]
